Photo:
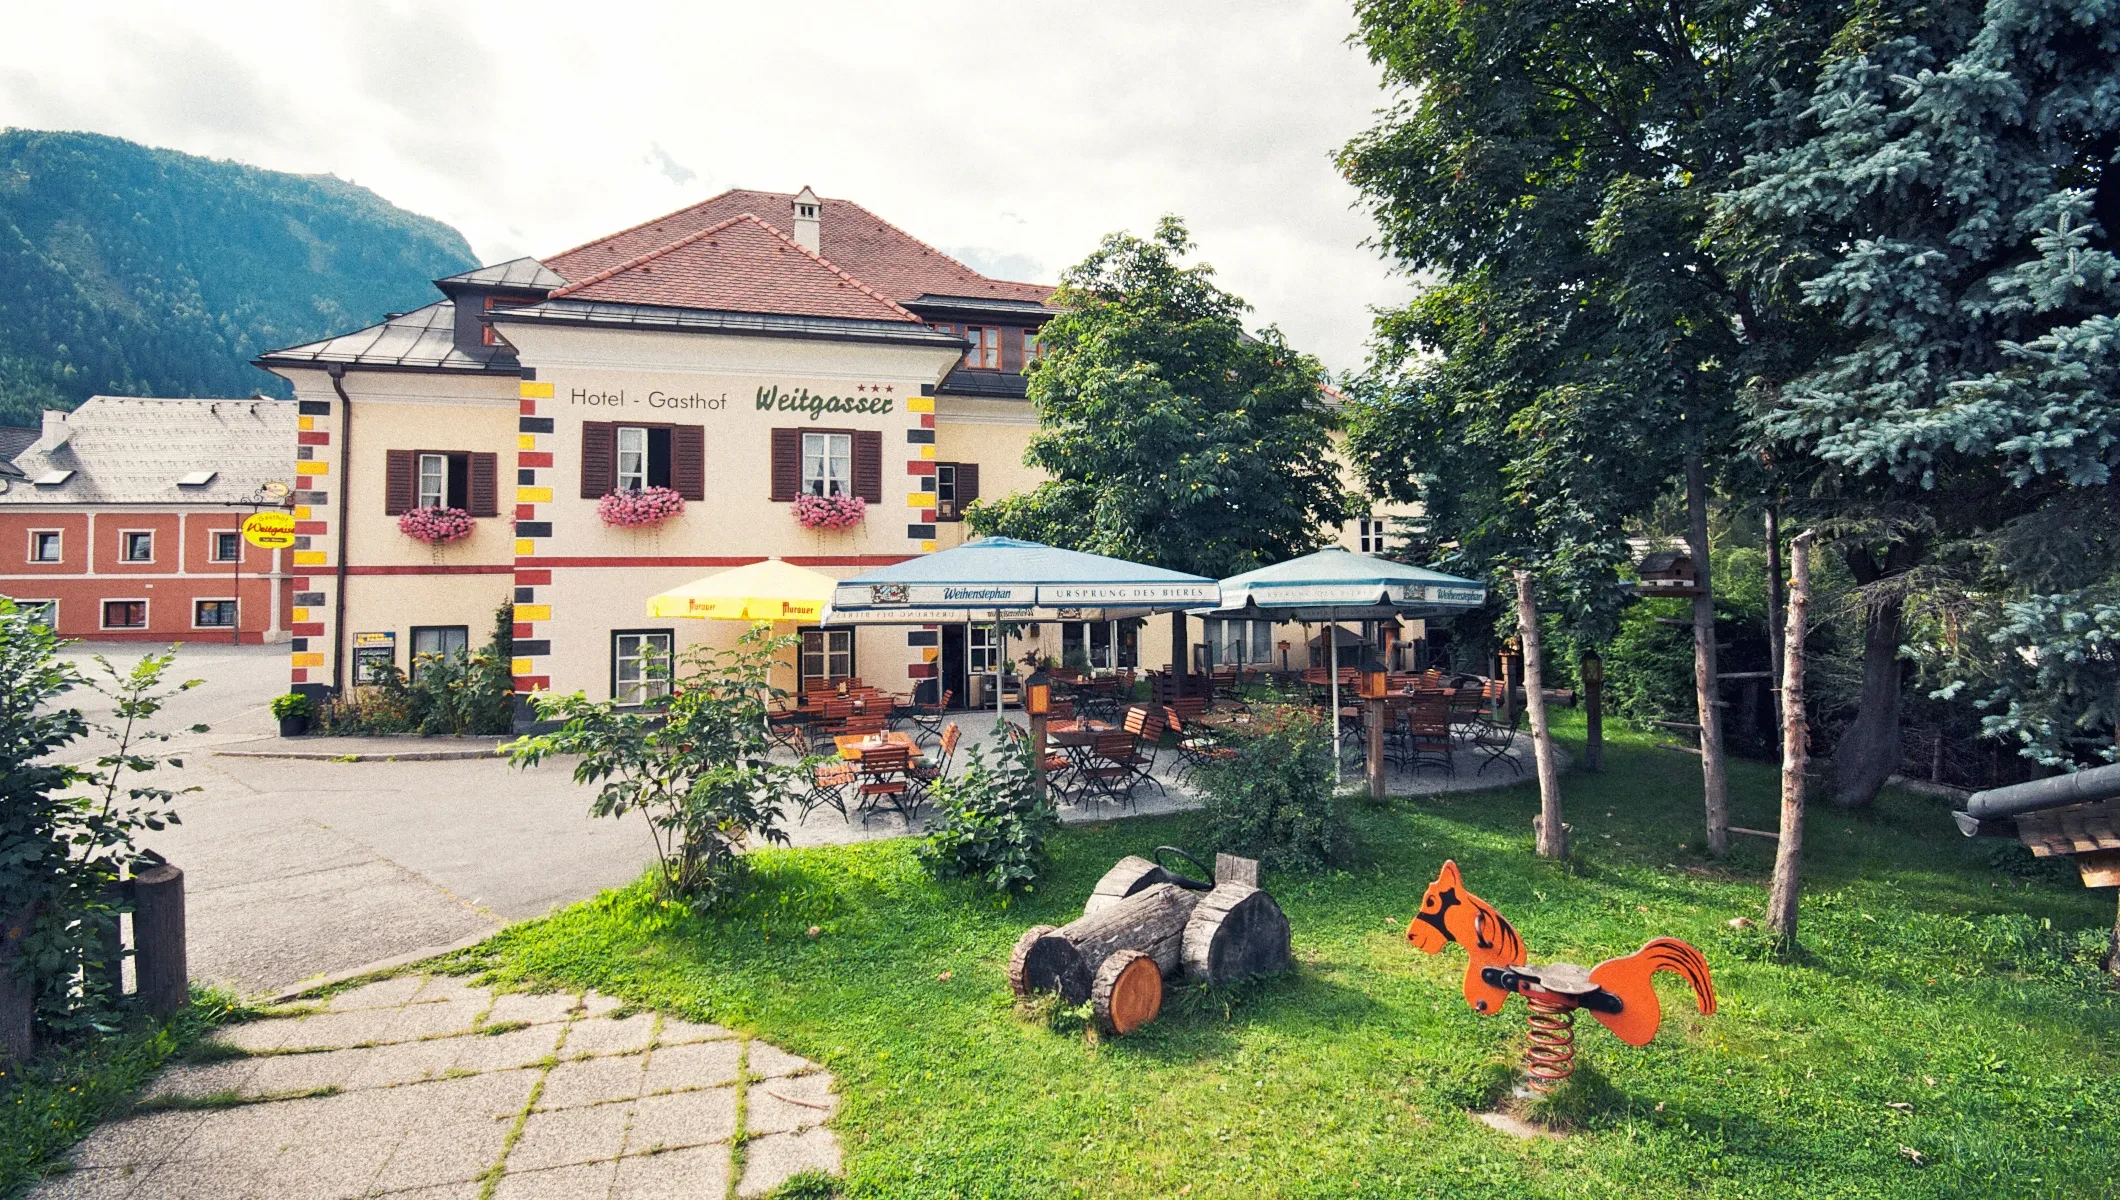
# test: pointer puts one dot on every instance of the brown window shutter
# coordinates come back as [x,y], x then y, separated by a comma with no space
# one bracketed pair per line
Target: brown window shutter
[1012,351]
[688,461]
[967,485]
[599,459]
[399,466]
[787,463]
[485,492]
[868,465]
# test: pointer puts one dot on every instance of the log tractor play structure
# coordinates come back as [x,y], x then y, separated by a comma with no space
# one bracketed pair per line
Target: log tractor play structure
[1617,992]
[1144,924]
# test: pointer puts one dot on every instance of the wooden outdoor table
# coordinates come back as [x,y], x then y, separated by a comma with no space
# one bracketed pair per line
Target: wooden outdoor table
[1222,720]
[851,744]
[1076,733]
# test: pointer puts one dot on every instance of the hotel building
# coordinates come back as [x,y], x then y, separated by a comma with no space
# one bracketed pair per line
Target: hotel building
[746,351]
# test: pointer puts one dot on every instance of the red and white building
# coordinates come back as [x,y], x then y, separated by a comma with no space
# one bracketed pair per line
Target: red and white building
[122,520]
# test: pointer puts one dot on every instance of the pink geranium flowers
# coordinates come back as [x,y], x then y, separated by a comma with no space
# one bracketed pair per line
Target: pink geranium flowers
[436,526]
[830,512]
[634,508]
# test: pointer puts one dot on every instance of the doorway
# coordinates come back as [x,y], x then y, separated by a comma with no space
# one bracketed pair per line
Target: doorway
[953,673]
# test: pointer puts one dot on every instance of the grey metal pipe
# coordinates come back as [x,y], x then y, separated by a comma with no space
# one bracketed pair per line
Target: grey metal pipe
[2082,787]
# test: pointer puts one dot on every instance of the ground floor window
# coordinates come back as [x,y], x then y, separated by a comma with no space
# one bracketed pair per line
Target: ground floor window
[213,614]
[1238,643]
[640,665]
[442,641]
[43,612]
[125,614]
[982,653]
[827,656]
[1100,645]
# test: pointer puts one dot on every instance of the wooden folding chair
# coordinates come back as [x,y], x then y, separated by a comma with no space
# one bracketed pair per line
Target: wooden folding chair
[939,766]
[887,779]
[828,789]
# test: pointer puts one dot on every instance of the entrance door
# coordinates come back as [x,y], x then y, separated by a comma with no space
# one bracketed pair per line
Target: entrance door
[953,674]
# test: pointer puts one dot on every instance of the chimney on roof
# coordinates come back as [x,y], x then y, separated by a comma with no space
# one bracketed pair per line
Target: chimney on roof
[808,232]
[55,432]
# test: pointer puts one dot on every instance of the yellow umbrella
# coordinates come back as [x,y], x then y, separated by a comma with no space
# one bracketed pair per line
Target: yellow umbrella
[763,591]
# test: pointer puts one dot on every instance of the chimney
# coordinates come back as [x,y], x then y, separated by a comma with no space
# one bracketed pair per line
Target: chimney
[55,432]
[808,233]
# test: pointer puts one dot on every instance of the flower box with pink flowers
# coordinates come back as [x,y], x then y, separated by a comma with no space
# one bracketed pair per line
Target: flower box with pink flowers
[636,508]
[830,512]
[436,526]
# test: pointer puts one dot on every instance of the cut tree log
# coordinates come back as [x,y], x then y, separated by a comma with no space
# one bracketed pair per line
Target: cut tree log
[1018,973]
[1236,931]
[1131,874]
[1128,992]
[1065,960]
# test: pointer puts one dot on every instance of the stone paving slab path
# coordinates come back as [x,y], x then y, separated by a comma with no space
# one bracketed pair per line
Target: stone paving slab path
[423,1087]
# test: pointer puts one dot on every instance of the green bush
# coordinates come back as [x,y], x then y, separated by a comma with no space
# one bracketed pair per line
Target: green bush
[448,694]
[993,825]
[1274,799]
[293,704]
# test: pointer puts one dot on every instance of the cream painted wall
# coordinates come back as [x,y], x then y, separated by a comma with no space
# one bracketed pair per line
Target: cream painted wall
[424,412]
[994,434]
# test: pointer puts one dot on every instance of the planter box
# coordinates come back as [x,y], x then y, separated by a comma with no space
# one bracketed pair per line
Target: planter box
[293,726]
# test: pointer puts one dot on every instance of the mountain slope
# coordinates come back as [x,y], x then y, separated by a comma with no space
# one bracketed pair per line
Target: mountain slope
[131,270]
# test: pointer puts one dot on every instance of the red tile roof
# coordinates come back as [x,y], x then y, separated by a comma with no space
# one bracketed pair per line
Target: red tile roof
[866,246]
[739,264]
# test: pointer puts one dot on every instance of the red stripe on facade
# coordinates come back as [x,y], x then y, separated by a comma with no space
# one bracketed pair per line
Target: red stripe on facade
[920,466]
[927,516]
[312,527]
[927,420]
[300,675]
[533,683]
[312,437]
[307,629]
[526,512]
[532,578]
[533,458]
[523,629]
[493,569]
[300,582]
[920,671]
[529,407]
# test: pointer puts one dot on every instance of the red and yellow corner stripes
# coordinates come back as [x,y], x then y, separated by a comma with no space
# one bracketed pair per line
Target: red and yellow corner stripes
[533,452]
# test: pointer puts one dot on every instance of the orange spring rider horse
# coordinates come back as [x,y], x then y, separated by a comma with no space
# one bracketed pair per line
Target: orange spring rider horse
[1617,991]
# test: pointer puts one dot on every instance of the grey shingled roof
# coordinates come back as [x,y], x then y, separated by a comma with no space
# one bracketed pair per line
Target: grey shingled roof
[124,450]
[423,339]
[570,311]
[14,439]
[525,272]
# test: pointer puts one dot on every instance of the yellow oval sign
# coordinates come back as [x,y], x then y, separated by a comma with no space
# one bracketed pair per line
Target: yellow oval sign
[269,530]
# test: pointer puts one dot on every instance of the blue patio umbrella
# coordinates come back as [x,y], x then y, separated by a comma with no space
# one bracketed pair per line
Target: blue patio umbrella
[1003,579]
[1335,585]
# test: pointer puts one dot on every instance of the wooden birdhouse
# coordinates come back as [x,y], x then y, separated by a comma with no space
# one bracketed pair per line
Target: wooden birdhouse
[1668,573]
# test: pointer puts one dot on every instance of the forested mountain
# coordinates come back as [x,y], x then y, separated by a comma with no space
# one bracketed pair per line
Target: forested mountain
[131,270]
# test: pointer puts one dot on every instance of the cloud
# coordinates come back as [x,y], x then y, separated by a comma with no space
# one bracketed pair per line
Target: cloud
[673,170]
[999,264]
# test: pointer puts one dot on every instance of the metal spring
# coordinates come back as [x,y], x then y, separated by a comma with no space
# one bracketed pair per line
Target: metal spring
[1551,1058]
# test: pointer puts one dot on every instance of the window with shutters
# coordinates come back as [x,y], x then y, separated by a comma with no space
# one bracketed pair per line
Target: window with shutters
[620,458]
[441,479]
[643,458]
[828,464]
[956,485]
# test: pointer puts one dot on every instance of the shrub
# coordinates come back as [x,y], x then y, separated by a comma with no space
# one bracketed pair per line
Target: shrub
[450,694]
[697,765]
[993,825]
[1274,799]
[293,704]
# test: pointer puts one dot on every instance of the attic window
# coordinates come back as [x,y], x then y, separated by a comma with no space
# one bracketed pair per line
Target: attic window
[196,478]
[806,210]
[52,478]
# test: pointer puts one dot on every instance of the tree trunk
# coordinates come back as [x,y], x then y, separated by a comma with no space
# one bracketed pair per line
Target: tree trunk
[1178,664]
[1868,752]
[1777,603]
[18,998]
[2112,954]
[1552,833]
[1237,931]
[1065,960]
[1705,691]
[1795,754]
[1593,673]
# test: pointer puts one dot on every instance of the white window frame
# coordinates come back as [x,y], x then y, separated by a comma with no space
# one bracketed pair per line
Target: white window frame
[982,654]
[213,545]
[125,537]
[230,600]
[832,457]
[641,664]
[147,612]
[945,486]
[1370,534]
[439,496]
[58,537]
[50,607]
[412,658]
[635,477]
[833,644]
[1262,642]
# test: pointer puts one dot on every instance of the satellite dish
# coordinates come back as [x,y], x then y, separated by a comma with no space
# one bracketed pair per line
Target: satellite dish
[275,489]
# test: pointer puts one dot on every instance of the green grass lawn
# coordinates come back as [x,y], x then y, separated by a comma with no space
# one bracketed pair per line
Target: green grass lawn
[1953,977]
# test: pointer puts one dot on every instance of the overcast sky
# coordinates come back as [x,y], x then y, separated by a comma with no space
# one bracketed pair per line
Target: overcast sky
[1012,135]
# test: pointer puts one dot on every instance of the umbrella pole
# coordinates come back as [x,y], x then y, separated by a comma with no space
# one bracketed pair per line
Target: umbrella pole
[1332,639]
[1000,676]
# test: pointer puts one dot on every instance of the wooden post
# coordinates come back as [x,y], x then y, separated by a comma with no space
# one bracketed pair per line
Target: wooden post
[1777,605]
[1795,750]
[1179,654]
[1038,722]
[110,938]
[18,1001]
[1593,673]
[158,939]
[1552,832]
[1705,690]
[1373,717]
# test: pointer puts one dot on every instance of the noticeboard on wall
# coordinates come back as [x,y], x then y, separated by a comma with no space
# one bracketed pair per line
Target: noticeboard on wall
[374,654]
